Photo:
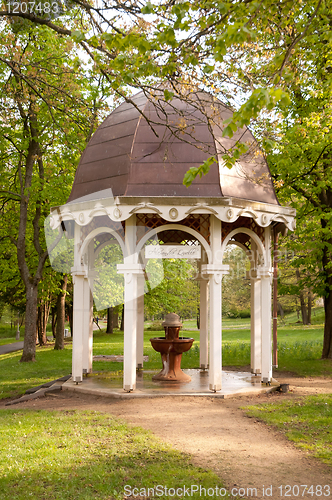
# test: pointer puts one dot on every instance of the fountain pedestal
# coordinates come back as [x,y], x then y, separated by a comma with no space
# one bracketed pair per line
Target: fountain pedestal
[171,348]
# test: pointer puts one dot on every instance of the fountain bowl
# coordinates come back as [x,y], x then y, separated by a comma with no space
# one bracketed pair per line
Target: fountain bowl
[171,348]
[165,346]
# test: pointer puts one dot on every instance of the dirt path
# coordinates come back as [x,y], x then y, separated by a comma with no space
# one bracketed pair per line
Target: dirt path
[244,452]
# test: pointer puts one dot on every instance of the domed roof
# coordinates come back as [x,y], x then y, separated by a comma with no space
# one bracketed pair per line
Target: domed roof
[145,147]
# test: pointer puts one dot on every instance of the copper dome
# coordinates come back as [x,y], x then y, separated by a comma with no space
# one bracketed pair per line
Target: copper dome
[147,153]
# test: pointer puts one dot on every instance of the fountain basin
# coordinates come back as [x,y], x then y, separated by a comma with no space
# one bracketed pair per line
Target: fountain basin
[171,355]
[171,348]
[165,346]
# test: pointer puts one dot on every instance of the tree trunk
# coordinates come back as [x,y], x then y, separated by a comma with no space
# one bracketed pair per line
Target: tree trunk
[109,328]
[60,313]
[70,318]
[115,319]
[281,311]
[327,344]
[309,306]
[54,321]
[122,319]
[29,348]
[303,309]
[42,317]
[302,302]
[326,259]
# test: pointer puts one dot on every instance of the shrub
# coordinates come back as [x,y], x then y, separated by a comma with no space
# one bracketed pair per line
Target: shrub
[236,313]
[156,326]
[245,313]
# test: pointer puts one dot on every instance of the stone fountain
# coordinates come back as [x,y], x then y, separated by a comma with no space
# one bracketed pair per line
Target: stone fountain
[171,348]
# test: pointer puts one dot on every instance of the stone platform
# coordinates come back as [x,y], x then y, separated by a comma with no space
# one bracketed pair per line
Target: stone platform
[233,384]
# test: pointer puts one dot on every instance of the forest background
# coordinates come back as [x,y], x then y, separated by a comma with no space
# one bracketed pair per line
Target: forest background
[65,65]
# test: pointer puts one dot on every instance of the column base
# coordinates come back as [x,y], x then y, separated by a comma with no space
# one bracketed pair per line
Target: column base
[215,388]
[256,371]
[140,366]
[77,379]
[128,388]
[204,366]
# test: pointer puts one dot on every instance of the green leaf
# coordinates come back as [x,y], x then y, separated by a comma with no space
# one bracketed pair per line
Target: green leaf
[229,161]
[148,8]
[77,36]
[228,132]
[168,95]
[208,69]
[144,46]
[189,177]
[94,41]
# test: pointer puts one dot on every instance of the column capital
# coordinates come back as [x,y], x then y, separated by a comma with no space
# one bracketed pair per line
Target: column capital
[130,268]
[215,272]
[200,277]
[93,274]
[253,274]
[78,271]
[212,269]
[264,272]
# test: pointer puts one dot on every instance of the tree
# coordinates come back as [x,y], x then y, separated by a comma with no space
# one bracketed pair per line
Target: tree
[108,287]
[301,162]
[236,287]
[211,44]
[177,292]
[45,124]
[242,48]
[295,280]
[61,314]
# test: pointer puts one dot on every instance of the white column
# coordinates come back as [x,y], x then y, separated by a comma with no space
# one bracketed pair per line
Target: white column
[140,320]
[87,327]
[215,271]
[130,268]
[256,325]
[78,325]
[130,327]
[266,326]
[255,310]
[266,296]
[88,311]
[215,369]
[78,274]
[204,323]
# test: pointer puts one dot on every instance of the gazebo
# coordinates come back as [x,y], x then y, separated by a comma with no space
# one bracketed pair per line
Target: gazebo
[129,189]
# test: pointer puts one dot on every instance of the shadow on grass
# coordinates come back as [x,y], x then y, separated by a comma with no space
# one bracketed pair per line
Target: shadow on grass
[87,455]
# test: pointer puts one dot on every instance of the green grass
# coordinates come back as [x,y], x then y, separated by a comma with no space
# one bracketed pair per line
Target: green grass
[65,455]
[317,317]
[8,335]
[9,340]
[306,421]
[16,377]
[299,352]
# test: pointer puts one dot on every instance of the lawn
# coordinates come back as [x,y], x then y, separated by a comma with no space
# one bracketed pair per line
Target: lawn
[306,421]
[8,334]
[299,352]
[88,455]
